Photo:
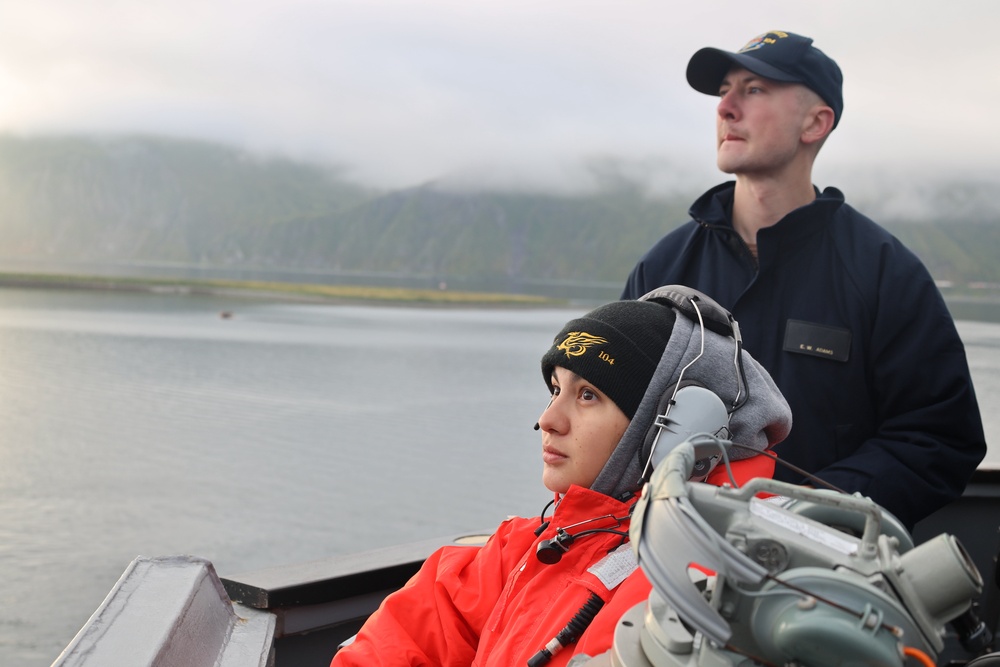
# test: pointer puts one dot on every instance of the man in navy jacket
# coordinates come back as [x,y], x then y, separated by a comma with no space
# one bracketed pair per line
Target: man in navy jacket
[846,319]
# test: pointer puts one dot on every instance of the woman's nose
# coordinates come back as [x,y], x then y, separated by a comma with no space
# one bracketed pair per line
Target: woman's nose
[553,417]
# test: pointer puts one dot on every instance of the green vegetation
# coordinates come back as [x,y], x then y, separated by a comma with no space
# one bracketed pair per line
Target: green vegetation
[274,289]
[141,202]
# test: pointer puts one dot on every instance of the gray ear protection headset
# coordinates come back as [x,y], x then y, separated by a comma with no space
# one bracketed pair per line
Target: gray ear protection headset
[688,408]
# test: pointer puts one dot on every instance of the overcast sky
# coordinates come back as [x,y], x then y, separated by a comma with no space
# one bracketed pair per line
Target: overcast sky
[405,91]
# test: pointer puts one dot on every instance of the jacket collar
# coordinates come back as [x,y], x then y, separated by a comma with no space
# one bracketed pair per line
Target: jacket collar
[714,209]
[579,503]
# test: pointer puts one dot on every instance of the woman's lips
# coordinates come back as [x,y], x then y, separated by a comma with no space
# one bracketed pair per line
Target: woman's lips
[550,455]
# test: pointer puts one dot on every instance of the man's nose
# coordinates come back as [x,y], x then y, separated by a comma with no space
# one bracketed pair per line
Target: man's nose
[728,107]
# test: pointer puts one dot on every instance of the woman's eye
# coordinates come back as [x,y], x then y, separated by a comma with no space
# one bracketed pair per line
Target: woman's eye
[555,390]
[588,395]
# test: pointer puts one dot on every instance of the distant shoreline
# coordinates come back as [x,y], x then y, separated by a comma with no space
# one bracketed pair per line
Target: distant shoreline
[981,305]
[318,293]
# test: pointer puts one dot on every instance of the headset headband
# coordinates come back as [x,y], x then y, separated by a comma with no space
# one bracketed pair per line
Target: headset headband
[715,317]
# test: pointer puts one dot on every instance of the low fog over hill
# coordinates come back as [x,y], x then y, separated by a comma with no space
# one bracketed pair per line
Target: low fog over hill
[143,201]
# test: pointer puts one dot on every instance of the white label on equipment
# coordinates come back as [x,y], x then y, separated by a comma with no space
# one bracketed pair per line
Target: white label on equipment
[790,522]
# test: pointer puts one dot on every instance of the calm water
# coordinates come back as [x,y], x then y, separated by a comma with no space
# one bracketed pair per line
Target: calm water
[148,424]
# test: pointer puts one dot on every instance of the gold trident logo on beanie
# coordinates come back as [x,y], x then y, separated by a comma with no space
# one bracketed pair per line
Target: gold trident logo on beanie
[578,342]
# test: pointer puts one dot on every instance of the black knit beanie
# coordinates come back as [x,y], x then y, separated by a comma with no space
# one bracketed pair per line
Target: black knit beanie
[615,347]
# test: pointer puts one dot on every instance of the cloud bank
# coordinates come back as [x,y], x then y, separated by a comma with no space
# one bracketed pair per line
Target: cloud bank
[402,92]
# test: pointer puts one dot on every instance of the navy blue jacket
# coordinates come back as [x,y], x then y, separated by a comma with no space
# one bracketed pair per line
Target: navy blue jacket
[856,335]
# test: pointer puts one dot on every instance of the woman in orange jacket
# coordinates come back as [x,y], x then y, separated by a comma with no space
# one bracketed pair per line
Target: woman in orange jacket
[543,584]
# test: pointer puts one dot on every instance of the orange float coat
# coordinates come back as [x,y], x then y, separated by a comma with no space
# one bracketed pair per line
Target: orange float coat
[498,605]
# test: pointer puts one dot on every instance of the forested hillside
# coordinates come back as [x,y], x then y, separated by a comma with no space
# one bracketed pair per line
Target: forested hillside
[148,200]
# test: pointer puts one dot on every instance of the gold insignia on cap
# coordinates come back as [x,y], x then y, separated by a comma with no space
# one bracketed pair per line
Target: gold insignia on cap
[578,342]
[763,40]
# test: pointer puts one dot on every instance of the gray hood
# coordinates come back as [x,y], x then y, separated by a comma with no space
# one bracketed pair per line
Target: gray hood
[761,422]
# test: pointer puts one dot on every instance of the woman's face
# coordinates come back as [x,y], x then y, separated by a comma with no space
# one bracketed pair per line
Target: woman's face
[580,428]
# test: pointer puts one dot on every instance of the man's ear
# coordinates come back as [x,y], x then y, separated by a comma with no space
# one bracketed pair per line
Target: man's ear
[817,124]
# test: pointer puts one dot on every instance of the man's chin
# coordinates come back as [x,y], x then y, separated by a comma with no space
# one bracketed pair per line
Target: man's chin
[726,161]
[727,167]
